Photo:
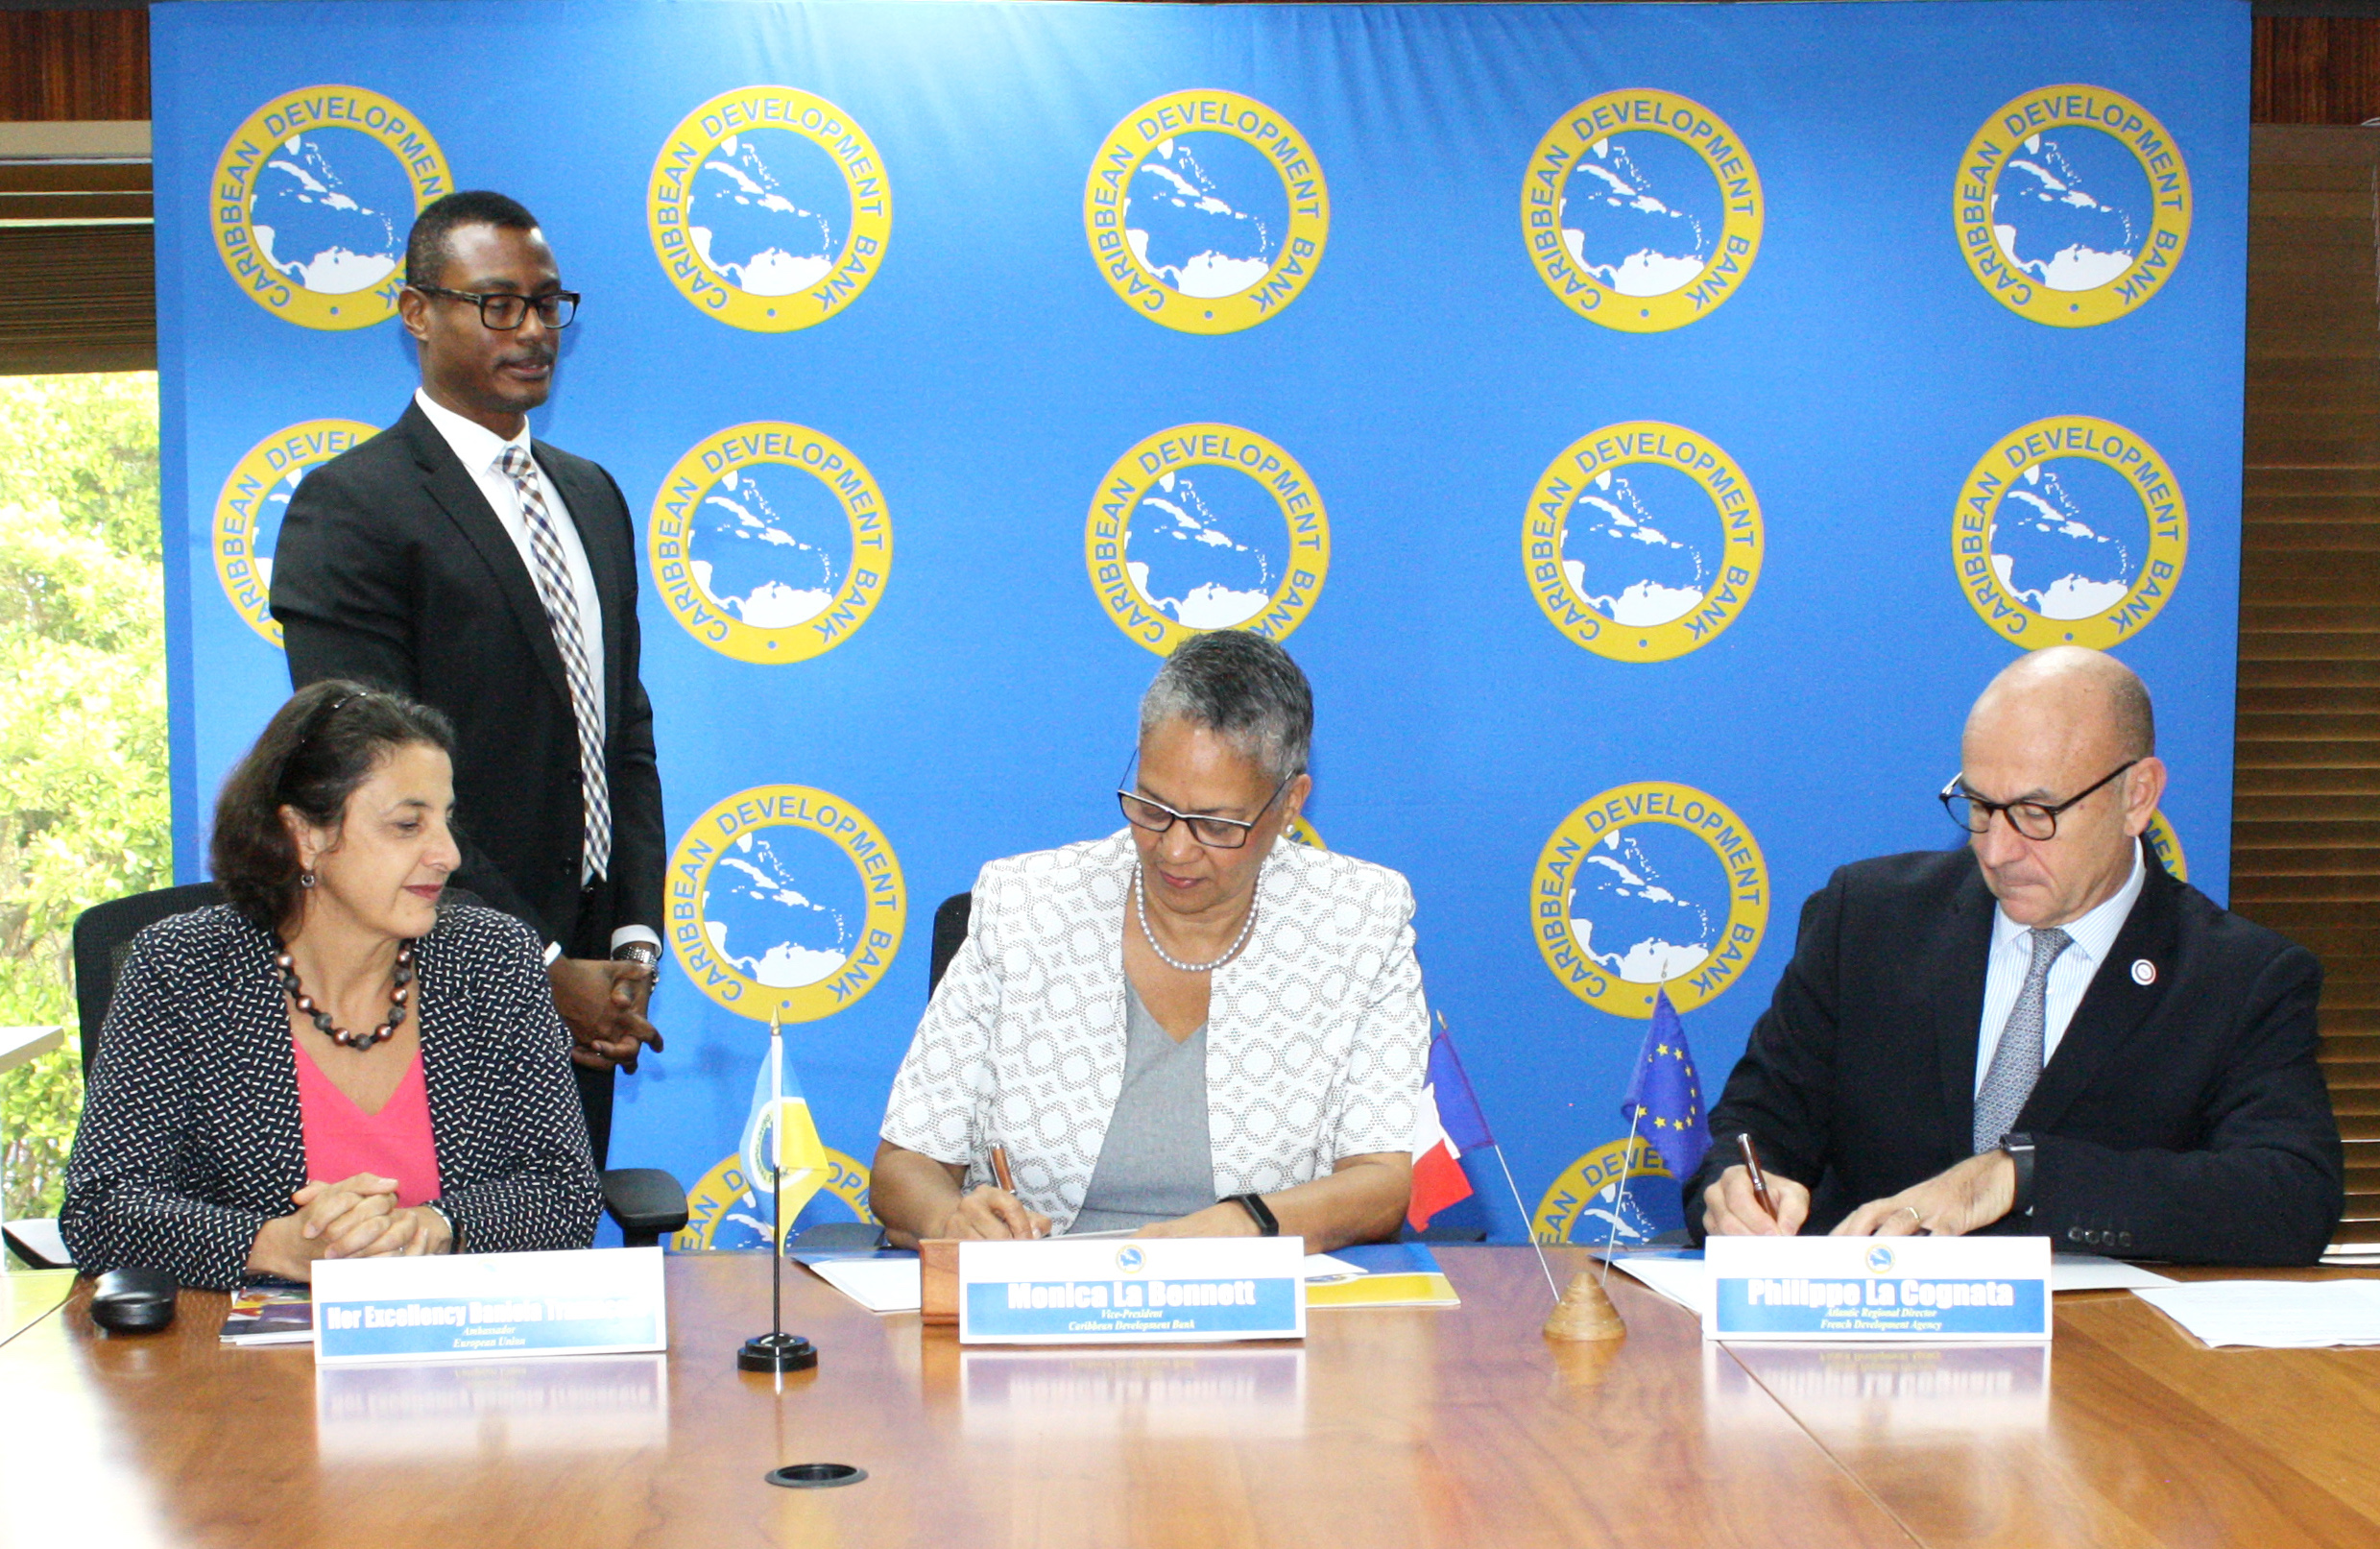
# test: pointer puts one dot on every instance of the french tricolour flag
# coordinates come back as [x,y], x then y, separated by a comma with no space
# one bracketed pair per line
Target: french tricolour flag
[1450,1125]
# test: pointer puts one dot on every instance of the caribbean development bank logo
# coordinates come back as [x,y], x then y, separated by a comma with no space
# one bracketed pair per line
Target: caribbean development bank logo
[2072,206]
[723,1212]
[785,901]
[1642,210]
[770,543]
[1205,527]
[253,499]
[2069,531]
[769,209]
[1649,884]
[1642,541]
[312,199]
[2166,844]
[1206,211]
[1586,1203]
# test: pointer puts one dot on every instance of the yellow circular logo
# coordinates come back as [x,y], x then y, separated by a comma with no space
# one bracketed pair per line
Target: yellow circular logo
[770,543]
[787,900]
[1624,904]
[2165,845]
[255,497]
[2069,531]
[723,1213]
[1204,527]
[1302,832]
[1586,1203]
[313,198]
[1642,541]
[1206,211]
[2072,206]
[769,209]
[1642,210]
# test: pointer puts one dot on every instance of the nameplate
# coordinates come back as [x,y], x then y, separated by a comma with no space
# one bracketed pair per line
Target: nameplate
[483,1306]
[1873,1290]
[1132,1290]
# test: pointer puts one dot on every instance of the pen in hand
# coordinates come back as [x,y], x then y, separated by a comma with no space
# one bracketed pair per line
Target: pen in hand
[1760,1180]
[1006,1179]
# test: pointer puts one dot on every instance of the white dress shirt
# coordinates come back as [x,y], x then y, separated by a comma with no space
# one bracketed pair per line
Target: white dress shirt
[2012,956]
[481,451]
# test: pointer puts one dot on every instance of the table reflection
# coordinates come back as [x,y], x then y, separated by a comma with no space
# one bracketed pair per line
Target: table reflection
[1905,1388]
[1173,1392]
[435,1409]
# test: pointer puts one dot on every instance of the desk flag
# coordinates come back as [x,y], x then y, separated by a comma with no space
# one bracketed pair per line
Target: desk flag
[1450,1125]
[1665,1095]
[780,1127]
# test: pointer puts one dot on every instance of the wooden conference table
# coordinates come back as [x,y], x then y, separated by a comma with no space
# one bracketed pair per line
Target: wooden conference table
[1388,1428]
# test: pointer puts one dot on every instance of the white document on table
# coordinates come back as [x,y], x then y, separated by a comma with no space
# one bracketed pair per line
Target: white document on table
[879,1284]
[1681,1278]
[2276,1315]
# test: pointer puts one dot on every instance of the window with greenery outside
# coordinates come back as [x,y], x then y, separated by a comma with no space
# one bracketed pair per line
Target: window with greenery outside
[85,811]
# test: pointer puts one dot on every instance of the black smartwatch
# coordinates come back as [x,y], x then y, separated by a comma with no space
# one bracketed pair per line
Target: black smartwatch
[1267,1225]
[2019,1147]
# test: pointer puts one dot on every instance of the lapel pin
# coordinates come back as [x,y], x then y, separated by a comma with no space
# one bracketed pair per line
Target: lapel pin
[2144,971]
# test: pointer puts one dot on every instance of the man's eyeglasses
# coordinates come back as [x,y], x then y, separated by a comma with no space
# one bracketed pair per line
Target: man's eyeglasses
[505,310]
[2034,821]
[1215,832]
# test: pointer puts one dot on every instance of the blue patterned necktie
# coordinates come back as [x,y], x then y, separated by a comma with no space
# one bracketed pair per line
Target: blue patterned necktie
[2016,1064]
[552,575]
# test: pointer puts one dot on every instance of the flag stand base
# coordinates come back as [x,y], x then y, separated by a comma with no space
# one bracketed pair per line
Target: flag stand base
[777,1352]
[1585,1313]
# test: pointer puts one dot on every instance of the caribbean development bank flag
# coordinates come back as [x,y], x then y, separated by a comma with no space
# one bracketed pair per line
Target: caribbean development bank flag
[781,1141]
[1450,1125]
[1665,1095]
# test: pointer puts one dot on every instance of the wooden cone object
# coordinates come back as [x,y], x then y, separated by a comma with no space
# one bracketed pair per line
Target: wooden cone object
[1585,1313]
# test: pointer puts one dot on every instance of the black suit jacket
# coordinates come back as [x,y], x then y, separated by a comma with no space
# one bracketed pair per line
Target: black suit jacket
[2183,1118]
[391,570]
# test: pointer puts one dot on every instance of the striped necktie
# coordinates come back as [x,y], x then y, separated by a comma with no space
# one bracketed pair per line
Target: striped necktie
[552,576]
[2016,1064]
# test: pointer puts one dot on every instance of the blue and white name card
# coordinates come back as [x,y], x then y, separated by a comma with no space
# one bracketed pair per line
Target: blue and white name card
[1132,1290]
[1873,1290]
[482,1306]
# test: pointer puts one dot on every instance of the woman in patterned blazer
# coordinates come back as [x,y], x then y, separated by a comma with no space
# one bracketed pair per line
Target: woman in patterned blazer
[1188,1028]
[338,1062]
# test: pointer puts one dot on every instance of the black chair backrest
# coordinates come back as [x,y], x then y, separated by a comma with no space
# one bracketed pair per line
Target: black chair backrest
[949,934]
[103,935]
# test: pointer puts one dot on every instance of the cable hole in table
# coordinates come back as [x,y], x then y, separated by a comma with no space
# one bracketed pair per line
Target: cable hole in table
[815,1475]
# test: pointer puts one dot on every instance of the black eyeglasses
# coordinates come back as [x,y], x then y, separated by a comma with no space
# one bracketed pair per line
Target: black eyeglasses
[1215,832]
[505,310]
[2034,821]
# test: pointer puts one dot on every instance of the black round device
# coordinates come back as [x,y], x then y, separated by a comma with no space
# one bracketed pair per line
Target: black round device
[134,1301]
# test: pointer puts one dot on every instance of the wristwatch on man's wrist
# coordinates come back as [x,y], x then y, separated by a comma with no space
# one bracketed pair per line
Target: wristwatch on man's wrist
[2019,1147]
[645,953]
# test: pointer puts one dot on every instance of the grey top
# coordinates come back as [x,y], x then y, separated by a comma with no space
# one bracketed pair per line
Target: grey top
[1157,1162]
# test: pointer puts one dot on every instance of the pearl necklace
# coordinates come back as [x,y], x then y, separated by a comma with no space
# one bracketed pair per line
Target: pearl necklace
[1139,905]
[399,994]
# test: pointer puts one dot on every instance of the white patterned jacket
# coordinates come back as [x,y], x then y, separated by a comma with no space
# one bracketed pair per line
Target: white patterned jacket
[1317,1035]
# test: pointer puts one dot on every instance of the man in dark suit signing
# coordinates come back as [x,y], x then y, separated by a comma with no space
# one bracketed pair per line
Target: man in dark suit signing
[456,561]
[2045,1033]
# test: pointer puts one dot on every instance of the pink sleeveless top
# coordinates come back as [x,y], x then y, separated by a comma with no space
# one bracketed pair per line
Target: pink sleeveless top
[343,1140]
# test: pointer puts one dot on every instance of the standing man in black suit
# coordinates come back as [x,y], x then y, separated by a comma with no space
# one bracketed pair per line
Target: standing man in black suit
[2049,1035]
[457,562]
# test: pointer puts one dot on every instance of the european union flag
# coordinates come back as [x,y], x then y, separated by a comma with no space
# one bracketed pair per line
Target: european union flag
[1665,1095]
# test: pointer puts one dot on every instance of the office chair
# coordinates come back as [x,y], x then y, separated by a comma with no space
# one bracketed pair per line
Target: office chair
[646,1201]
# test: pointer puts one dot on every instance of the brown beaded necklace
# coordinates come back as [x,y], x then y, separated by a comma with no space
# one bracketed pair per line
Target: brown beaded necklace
[399,993]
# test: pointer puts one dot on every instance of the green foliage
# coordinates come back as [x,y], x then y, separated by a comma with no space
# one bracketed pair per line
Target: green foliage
[84,811]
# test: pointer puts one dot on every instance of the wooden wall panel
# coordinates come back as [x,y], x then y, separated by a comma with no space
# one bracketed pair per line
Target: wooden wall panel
[73,65]
[2305,839]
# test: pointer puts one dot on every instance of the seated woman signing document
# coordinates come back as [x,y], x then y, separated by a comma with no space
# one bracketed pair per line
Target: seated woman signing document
[342,1060]
[1188,1028]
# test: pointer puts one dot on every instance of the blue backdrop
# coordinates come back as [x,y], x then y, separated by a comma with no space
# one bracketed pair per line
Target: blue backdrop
[1649,425]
